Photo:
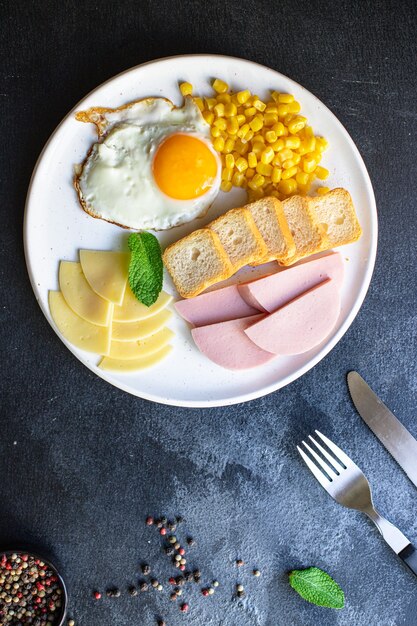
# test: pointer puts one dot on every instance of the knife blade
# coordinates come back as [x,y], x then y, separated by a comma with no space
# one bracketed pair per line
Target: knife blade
[383,423]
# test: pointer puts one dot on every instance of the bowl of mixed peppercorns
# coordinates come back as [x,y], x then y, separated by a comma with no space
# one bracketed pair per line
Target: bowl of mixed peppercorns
[31,590]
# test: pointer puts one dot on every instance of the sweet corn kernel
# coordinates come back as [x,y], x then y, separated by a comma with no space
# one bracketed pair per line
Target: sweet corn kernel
[257,123]
[230,109]
[258,147]
[321,172]
[232,125]
[279,129]
[289,173]
[294,107]
[303,189]
[238,179]
[296,158]
[227,174]
[219,109]
[249,136]
[241,164]
[224,98]
[286,154]
[288,164]
[287,186]
[258,104]
[270,119]
[316,155]
[283,110]
[208,116]
[301,178]
[186,89]
[322,144]
[296,124]
[308,131]
[241,148]
[220,86]
[215,132]
[278,145]
[264,169]
[271,108]
[243,96]
[310,144]
[229,161]
[275,96]
[229,144]
[225,185]
[285,98]
[277,160]
[292,142]
[256,182]
[249,173]
[287,119]
[252,160]
[309,165]
[271,136]
[220,123]
[199,102]
[255,194]
[241,119]
[323,190]
[276,175]
[250,111]
[218,144]
[267,155]
[210,103]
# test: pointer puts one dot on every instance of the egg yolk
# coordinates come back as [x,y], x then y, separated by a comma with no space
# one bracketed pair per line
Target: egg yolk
[184,167]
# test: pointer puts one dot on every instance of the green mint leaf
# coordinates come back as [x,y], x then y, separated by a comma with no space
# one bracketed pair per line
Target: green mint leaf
[145,267]
[317,587]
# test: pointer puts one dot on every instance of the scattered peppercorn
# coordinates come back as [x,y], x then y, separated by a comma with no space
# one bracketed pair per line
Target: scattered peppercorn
[161,622]
[205,592]
[179,592]
[164,520]
[169,551]
[180,580]
[163,531]
[239,562]
[172,581]
[173,596]
[71,622]
[256,573]
[177,545]
[158,523]
[181,551]
[215,583]
[144,586]
[172,539]
[240,588]
[177,557]
[190,541]
[197,575]
[146,570]
[182,567]
[159,587]
[154,583]
[179,519]
[133,591]
[97,595]
[184,607]
[113,593]
[149,520]
[172,527]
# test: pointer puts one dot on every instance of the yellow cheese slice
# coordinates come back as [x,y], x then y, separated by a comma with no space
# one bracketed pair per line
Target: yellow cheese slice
[137,349]
[132,310]
[80,297]
[106,272]
[76,330]
[133,331]
[133,365]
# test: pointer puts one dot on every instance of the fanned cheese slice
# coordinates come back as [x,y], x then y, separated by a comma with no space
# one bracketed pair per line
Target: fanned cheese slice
[80,297]
[76,330]
[133,331]
[136,349]
[106,272]
[133,365]
[132,310]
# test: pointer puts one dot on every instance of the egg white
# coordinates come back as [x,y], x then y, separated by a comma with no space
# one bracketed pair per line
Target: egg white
[116,182]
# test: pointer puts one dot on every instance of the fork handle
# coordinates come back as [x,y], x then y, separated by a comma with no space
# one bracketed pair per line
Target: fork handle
[409,556]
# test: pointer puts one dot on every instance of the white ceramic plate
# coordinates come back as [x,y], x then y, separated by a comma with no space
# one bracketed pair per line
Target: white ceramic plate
[56,227]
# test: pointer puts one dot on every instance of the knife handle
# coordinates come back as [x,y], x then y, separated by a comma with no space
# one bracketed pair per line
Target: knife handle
[409,556]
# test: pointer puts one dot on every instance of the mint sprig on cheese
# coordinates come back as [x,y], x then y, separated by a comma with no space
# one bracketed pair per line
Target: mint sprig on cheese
[317,587]
[145,267]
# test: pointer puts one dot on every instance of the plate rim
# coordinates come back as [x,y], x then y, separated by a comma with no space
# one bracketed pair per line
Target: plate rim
[326,348]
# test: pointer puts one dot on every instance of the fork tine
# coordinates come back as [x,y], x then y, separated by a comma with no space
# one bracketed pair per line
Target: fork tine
[328,456]
[318,474]
[336,450]
[320,461]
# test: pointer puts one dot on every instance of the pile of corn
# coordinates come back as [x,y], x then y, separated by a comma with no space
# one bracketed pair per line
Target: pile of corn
[265,147]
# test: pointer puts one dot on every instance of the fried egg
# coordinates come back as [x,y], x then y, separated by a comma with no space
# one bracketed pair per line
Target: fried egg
[153,168]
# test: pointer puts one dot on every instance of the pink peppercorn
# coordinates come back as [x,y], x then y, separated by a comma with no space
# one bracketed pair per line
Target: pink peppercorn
[163,531]
[149,520]
[184,607]
[181,551]
[172,581]
[97,595]
[182,568]
[205,592]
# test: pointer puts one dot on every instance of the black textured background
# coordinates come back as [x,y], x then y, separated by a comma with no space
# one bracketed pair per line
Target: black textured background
[82,463]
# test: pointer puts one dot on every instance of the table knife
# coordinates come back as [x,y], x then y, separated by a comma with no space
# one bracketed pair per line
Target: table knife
[392,434]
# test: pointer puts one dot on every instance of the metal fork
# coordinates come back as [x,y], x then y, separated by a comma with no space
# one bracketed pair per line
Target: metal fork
[347,484]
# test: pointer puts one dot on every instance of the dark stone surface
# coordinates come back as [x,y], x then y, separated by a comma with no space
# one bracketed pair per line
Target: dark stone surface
[82,463]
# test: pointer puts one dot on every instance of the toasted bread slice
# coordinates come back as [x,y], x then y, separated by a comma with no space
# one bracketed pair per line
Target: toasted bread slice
[196,262]
[309,236]
[270,220]
[336,214]
[239,237]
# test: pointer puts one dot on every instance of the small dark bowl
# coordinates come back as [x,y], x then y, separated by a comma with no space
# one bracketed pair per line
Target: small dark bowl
[62,614]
